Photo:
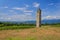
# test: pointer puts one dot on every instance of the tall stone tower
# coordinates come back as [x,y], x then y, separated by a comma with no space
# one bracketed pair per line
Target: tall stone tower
[38,18]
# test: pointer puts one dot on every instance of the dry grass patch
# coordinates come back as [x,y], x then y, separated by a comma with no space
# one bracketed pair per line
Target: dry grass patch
[43,33]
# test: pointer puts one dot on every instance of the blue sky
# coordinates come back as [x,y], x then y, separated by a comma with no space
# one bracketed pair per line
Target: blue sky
[25,10]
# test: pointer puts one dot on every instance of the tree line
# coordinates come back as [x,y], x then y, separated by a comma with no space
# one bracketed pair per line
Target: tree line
[2,24]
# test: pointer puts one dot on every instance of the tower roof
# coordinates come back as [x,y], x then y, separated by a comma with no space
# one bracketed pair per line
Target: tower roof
[38,10]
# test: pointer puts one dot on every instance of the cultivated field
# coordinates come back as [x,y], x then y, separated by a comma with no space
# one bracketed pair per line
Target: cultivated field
[42,33]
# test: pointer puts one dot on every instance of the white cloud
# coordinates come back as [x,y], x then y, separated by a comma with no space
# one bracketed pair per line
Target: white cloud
[5,7]
[35,4]
[22,17]
[51,4]
[29,14]
[57,5]
[8,18]
[18,17]
[1,17]
[23,9]
[28,11]
[18,8]
[5,18]
[11,10]
[51,17]
[27,5]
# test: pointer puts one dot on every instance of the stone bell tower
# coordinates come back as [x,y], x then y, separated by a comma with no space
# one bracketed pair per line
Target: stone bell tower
[38,18]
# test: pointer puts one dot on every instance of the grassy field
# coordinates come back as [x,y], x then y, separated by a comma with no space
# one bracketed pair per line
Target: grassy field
[48,32]
[15,27]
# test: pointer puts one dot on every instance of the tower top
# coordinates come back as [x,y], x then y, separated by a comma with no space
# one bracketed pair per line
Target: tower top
[38,10]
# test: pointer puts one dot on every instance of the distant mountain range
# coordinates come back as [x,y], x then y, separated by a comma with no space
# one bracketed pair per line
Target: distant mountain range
[50,21]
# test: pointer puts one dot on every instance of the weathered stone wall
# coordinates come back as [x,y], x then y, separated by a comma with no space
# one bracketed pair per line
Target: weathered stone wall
[38,18]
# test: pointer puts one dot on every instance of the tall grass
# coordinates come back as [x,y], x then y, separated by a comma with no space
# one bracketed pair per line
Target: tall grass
[15,27]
